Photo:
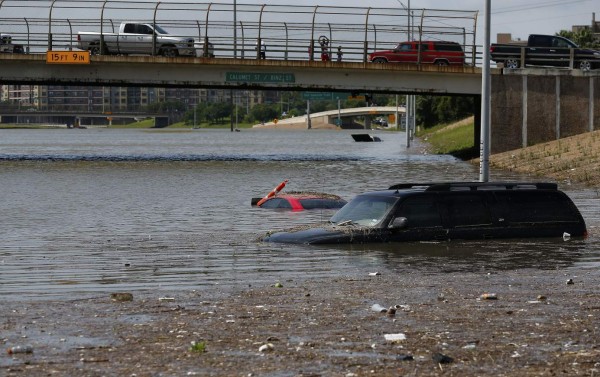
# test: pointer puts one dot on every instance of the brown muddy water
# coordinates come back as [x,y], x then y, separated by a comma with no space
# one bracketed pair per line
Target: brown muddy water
[101,210]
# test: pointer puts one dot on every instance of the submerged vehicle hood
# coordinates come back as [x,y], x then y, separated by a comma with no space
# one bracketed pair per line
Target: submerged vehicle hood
[311,236]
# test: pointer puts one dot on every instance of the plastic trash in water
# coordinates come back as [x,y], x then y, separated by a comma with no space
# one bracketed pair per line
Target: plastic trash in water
[378,308]
[394,337]
[566,236]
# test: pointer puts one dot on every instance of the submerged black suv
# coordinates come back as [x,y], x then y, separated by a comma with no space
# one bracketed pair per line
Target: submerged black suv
[447,211]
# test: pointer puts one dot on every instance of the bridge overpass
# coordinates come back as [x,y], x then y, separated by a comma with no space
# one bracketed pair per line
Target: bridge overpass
[329,118]
[158,71]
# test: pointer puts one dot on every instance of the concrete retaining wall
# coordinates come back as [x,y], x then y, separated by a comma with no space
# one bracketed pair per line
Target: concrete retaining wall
[532,106]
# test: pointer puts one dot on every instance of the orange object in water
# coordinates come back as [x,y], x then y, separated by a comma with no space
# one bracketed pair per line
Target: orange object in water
[272,193]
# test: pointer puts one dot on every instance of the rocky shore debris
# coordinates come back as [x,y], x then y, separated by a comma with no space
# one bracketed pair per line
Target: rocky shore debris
[440,358]
[378,308]
[266,347]
[19,349]
[489,296]
[121,296]
[394,338]
[198,346]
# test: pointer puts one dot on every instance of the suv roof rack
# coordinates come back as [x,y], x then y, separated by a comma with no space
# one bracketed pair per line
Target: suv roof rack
[463,186]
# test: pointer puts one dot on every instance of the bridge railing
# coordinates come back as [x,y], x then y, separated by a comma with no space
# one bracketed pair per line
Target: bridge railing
[288,32]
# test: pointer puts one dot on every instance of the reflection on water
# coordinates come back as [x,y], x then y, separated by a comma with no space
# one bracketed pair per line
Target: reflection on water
[88,211]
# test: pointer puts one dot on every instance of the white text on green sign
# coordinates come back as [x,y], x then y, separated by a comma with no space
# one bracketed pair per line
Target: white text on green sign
[260,77]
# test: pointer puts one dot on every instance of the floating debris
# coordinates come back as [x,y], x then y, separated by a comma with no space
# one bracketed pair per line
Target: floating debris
[278,285]
[566,236]
[374,273]
[570,281]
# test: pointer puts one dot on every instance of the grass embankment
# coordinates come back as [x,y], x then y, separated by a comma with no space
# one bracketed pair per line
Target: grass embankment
[455,139]
[571,159]
[574,159]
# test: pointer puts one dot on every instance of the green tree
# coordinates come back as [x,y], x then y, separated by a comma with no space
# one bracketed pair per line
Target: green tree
[434,110]
[583,38]
[263,113]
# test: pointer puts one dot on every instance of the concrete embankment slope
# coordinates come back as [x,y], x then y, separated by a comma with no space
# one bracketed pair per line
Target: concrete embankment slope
[572,159]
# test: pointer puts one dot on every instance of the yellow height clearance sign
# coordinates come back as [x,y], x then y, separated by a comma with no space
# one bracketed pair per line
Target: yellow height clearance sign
[67,57]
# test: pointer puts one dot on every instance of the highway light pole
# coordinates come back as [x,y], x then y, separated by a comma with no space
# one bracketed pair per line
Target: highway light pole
[231,92]
[484,157]
[410,99]
[235,29]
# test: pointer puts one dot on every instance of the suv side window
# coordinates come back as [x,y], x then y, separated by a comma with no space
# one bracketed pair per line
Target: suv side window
[420,212]
[441,46]
[541,41]
[467,210]
[405,47]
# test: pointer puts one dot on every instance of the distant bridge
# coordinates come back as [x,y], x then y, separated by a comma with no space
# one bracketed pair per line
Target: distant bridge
[329,117]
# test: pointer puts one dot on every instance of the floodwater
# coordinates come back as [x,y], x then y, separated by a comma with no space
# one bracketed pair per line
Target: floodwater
[85,212]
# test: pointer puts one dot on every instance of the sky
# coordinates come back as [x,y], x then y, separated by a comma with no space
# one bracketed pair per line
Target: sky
[518,17]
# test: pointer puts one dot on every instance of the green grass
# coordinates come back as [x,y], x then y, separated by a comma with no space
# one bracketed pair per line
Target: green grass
[454,140]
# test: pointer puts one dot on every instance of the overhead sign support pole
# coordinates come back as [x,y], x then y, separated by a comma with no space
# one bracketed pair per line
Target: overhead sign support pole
[484,157]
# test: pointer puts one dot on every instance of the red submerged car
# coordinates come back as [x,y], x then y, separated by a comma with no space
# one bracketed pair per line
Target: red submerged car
[299,201]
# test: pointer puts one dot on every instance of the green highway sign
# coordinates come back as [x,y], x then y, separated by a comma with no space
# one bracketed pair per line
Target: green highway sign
[253,77]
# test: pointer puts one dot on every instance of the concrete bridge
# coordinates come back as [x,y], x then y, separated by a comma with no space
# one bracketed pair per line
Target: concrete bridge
[157,71]
[329,118]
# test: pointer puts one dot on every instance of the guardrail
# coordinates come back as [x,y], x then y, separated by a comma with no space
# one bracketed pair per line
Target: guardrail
[234,31]
[571,58]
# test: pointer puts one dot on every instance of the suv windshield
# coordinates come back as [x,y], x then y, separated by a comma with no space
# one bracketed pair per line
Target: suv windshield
[365,210]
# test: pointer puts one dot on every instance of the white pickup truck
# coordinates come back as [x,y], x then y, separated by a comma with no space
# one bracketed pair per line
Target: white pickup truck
[137,38]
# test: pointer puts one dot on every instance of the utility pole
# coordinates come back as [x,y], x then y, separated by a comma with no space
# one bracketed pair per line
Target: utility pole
[410,99]
[235,57]
[484,157]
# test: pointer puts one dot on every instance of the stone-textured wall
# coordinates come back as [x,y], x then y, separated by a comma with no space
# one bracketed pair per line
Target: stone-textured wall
[506,113]
[527,118]
[541,109]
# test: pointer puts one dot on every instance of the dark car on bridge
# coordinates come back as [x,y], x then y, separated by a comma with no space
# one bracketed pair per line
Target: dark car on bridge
[447,211]
[299,201]
[425,52]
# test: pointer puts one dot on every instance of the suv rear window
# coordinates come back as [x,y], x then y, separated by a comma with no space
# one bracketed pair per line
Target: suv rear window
[535,206]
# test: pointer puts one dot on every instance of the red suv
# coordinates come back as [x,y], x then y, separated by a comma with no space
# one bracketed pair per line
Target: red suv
[427,52]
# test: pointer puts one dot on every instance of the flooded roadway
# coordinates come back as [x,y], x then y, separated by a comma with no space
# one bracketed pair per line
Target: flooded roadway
[91,211]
